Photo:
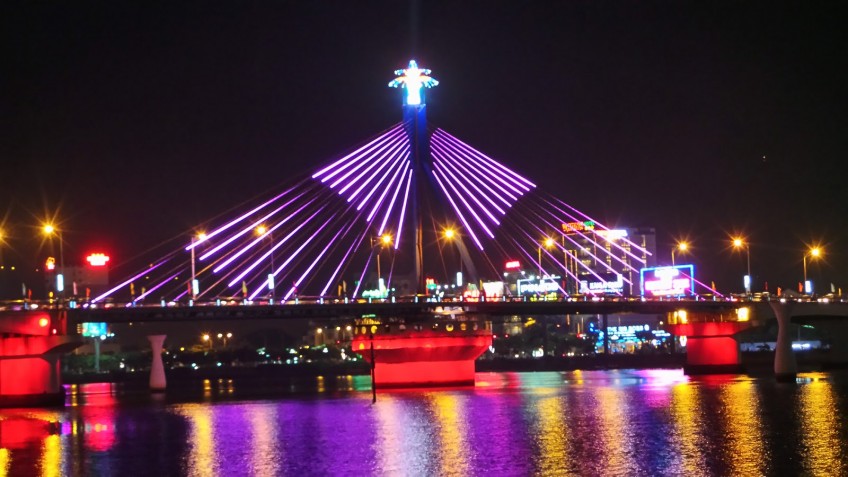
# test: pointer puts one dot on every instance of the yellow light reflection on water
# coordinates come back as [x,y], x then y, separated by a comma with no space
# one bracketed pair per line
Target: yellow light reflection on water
[5,461]
[617,437]
[552,433]
[452,432]
[688,423]
[51,458]
[744,448]
[820,428]
[265,456]
[202,458]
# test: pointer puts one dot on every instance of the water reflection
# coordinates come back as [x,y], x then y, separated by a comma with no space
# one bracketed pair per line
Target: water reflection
[575,423]
[744,448]
[824,451]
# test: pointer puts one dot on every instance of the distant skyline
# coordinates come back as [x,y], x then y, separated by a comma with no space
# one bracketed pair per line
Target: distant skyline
[129,124]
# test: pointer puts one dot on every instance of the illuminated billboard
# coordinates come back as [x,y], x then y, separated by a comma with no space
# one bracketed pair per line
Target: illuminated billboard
[576,227]
[94,330]
[607,283]
[676,280]
[541,286]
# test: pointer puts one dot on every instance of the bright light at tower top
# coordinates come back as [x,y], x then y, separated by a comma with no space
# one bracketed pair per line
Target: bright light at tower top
[413,79]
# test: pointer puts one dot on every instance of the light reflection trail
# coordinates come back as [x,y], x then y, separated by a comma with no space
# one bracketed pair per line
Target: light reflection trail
[688,423]
[744,445]
[265,454]
[449,410]
[202,460]
[615,430]
[552,432]
[821,427]
[5,461]
[51,457]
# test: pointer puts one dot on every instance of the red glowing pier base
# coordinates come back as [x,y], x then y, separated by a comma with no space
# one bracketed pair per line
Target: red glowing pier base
[31,343]
[710,347]
[431,357]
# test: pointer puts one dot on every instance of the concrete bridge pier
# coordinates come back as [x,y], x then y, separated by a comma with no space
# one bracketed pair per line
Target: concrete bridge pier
[785,366]
[157,368]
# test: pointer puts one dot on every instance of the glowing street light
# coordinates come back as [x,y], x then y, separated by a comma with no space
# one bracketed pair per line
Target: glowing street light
[738,243]
[260,231]
[384,240]
[813,253]
[449,235]
[547,243]
[50,230]
[682,247]
[195,286]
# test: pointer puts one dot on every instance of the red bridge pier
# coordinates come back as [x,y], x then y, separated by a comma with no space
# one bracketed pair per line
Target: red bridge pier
[710,345]
[428,354]
[31,344]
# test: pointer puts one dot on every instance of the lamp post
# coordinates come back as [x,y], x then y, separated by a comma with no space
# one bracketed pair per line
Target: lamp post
[195,286]
[814,252]
[450,234]
[547,243]
[260,231]
[681,246]
[50,230]
[738,243]
[384,240]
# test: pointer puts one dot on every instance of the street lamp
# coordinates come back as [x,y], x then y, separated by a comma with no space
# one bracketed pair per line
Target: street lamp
[814,252]
[207,339]
[260,231]
[738,243]
[450,234]
[50,230]
[385,240]
[681,246]
[548,243]
[195,286]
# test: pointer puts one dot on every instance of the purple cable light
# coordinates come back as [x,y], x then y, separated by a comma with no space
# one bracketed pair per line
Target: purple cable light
[259,239]
[390,133]
[471,195]
[497,165]
[477,163]
[402,210]
[247,229]
[406,167]
[280,244]
[458,212]
[364,161]
[473,179]
[496,179]
[464,202]
[127,282]
[383,163]
[394,166]
[460,159]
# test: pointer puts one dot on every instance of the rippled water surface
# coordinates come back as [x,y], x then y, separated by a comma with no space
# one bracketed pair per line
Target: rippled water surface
[650,422]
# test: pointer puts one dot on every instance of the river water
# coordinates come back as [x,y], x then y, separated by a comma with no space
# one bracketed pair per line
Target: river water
[624,422]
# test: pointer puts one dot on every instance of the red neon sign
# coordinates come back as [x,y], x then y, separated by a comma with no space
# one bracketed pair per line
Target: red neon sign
[512,264]
[97,259]
[50,264]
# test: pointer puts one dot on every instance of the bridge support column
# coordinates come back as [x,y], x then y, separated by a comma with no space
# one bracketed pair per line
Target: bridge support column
[157,368]
[785,366]
[710,346]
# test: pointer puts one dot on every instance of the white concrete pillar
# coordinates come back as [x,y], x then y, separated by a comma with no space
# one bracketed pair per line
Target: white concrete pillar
[785,366]
[157,368]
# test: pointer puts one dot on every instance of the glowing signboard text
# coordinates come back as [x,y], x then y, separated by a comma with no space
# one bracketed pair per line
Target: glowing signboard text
[668,281]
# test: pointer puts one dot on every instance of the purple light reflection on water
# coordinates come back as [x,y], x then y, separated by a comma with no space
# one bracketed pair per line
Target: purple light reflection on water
[554,423]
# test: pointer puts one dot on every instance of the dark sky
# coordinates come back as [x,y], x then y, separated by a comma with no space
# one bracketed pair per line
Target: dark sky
[131,122]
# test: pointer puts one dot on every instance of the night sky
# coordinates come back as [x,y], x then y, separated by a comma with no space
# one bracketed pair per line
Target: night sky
[132,122]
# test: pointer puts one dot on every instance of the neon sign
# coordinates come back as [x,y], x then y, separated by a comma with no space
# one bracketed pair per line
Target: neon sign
[512,265]
[668,281]
[575,227]
[542,286]
[97,259]
[609,283]
[50,264]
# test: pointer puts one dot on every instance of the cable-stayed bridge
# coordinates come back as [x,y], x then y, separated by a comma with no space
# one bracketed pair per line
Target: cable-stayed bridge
[419,199]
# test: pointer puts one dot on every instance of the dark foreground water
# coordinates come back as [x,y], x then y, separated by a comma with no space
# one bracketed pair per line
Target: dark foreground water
[650,422]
